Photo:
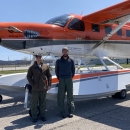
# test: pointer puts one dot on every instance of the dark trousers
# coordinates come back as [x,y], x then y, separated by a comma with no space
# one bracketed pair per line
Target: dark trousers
[38,97]
[65,85]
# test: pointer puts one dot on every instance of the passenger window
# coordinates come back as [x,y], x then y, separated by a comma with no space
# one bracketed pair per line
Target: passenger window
[108,29]
[95,28]
[128,33]
[76,24]
[119,32]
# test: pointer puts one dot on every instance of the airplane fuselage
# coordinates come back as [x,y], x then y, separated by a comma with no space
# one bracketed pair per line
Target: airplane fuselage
[78,35]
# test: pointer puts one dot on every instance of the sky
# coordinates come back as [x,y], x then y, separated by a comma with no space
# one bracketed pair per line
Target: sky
[41,11]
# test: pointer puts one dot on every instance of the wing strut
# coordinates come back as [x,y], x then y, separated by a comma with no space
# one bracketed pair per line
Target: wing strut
[110,34]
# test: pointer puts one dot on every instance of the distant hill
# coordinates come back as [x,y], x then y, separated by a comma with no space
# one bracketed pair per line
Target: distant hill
[14,62]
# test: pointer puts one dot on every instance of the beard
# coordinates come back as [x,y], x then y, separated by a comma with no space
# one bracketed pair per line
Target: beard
[65,55]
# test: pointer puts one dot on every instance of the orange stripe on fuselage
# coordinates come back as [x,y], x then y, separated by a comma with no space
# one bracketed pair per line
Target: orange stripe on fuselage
[90,75]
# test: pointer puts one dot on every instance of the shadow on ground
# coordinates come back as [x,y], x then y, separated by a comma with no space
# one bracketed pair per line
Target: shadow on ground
[108,111]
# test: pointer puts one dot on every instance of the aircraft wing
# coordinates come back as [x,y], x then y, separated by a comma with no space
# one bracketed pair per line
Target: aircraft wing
[112,15]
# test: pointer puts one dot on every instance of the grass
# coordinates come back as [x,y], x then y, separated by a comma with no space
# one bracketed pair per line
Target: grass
[13,66]
[12,71]
[22,71]
[125,65]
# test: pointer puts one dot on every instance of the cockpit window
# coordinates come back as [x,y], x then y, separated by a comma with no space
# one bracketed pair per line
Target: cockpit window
[76,24]
[61,20]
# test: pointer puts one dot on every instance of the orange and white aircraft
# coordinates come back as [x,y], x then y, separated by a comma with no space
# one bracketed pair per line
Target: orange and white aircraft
[104,34]
[81,34]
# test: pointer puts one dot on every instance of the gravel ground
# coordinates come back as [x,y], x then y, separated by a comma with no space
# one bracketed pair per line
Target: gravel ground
[99,114]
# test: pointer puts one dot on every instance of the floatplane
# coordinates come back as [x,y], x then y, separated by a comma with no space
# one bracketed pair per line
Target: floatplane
[103,34]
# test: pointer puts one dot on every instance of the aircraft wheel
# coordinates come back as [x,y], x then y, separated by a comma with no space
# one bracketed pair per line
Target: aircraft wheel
[1,98]
[122,94]
[38,112]
[116,95]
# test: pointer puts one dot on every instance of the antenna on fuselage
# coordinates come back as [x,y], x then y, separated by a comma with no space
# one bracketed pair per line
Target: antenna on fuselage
[81,13]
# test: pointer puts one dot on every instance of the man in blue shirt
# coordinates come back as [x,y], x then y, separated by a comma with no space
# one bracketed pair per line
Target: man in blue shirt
[65,71]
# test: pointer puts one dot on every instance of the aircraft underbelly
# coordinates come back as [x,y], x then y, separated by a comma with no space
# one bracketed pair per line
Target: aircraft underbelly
[122,50]
[109,49]
[76,47]
[115,49]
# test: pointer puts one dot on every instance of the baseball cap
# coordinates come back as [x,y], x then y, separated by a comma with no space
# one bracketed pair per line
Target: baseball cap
[65,48]
[38,55]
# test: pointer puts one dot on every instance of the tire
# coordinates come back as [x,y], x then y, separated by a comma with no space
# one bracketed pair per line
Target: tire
[113,96]
[122,94]
[116,95]
[1,98]
[38,112]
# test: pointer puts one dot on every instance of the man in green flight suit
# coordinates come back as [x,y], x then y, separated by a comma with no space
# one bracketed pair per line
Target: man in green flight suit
[65,71]
[39,77]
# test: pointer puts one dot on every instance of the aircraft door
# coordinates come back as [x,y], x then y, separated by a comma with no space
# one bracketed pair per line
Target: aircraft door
[75,33]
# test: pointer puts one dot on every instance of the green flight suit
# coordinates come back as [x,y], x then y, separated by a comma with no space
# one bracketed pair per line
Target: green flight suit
[65,85]
[38,77]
